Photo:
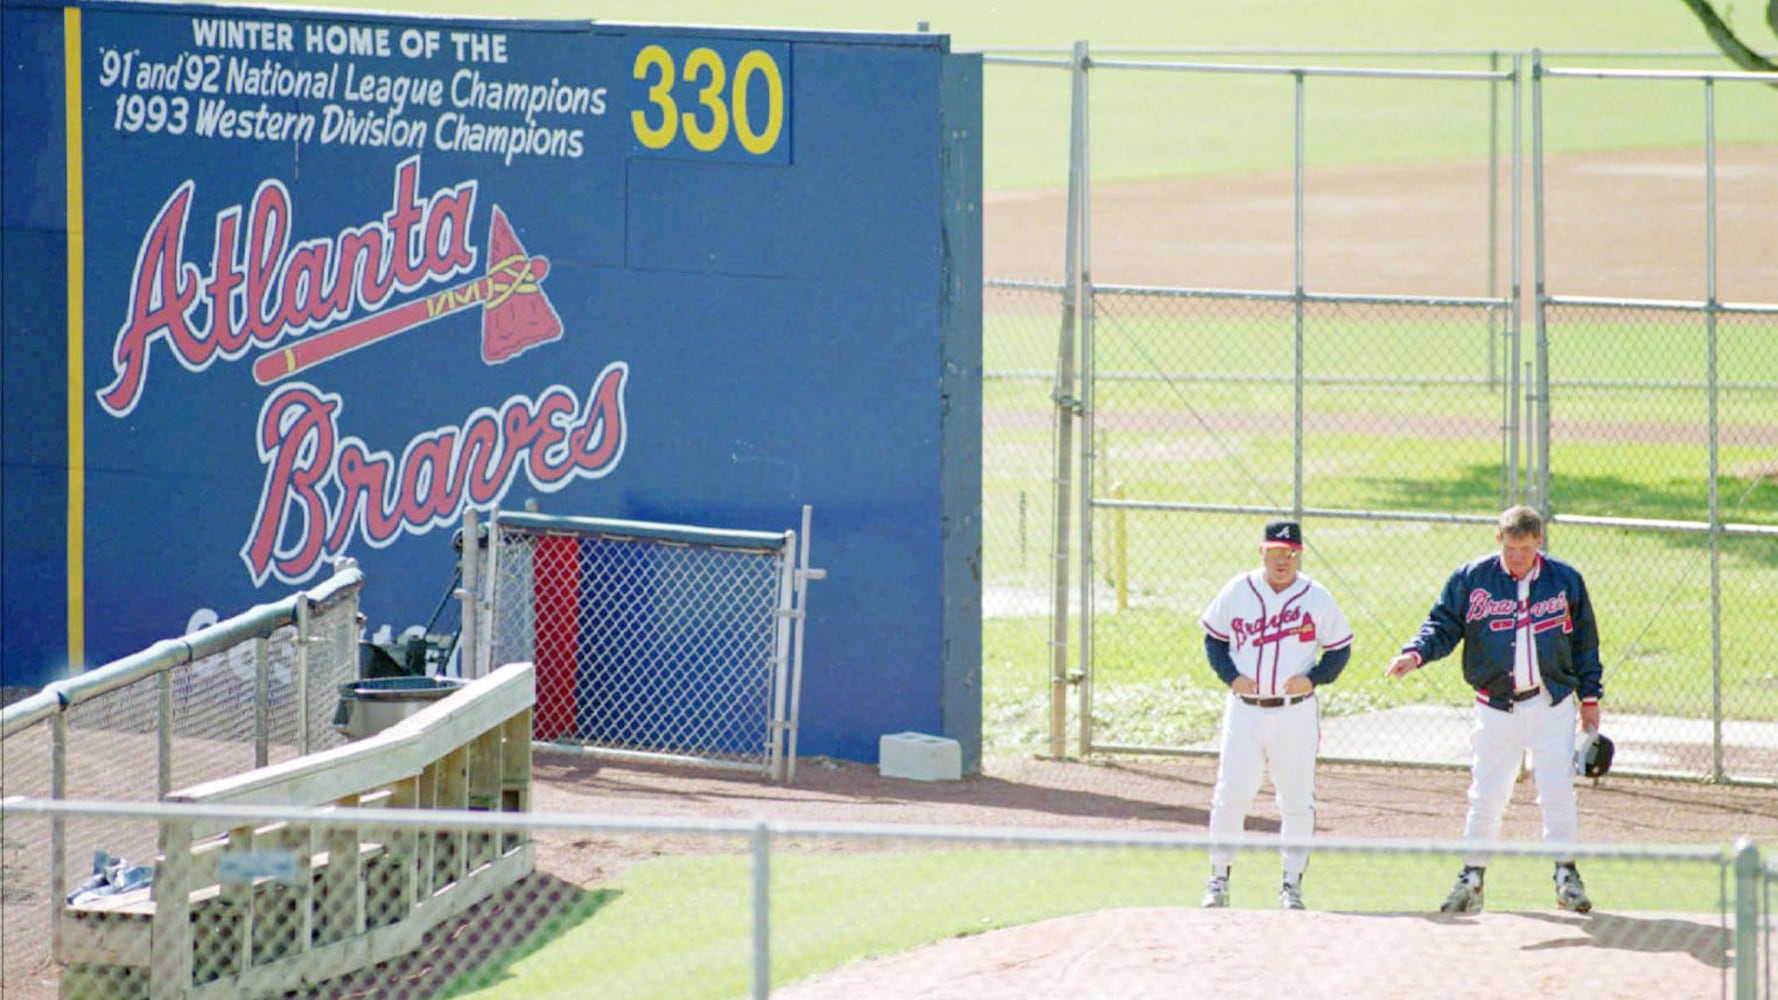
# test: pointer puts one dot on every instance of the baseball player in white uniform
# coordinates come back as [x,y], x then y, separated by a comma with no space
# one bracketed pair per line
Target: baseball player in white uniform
[1273,635]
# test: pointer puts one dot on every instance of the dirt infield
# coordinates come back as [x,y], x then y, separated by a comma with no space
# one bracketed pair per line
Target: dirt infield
[1631,225]
[1261,954]
[1149,794]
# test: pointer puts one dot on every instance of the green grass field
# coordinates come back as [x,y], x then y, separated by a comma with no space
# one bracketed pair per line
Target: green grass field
[679,928]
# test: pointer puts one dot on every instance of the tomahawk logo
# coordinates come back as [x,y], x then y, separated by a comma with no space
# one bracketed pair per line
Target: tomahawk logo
[516,315]
[262,288]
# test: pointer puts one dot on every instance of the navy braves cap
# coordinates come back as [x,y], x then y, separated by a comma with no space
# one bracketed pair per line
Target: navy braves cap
[1283,534]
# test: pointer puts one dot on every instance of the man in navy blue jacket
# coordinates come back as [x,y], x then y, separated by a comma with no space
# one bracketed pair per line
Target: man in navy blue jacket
[1531,651]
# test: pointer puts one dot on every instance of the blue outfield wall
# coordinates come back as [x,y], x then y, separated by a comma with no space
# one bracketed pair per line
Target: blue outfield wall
[346,276]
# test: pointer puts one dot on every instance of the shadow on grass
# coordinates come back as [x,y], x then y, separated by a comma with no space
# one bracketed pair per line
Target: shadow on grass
[477,948]
[1478,487]
[543,908]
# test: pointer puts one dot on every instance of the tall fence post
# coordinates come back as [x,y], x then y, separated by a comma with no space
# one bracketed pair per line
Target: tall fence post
[58,827]
[1063,395]
[170,960]
[1299,284]
[762,911]
[1084,413]
[305,637]
[803,575]
[468,639]
[1747,909]
[1516,310]
[163,733]
[262,700]
[1494,213]
[1711,385]
[783,626]
[1538,394]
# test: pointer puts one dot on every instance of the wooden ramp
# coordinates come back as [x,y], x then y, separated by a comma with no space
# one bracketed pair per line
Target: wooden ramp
[265,908]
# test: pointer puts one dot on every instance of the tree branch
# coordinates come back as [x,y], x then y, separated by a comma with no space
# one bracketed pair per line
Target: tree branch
[1725,39]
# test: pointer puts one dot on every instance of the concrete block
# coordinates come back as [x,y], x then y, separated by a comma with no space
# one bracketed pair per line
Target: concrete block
[920,757]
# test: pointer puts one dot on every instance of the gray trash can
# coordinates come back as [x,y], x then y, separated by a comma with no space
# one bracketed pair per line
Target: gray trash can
[369,706]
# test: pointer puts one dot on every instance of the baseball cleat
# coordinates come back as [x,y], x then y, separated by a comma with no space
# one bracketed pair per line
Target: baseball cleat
[1571,893]
[1290,896]
[1216,893]
[1466,895]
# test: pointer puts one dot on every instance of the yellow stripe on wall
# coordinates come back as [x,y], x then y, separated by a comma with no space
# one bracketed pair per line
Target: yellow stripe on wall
[76,345]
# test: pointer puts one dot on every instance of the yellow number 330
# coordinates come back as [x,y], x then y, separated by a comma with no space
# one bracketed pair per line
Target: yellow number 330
[706,127]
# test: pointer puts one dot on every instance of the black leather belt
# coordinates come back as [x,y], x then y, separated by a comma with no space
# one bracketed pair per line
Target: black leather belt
[1527,695]
[1275,702]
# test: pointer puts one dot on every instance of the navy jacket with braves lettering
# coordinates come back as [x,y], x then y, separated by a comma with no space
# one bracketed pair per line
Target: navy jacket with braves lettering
[1479,607]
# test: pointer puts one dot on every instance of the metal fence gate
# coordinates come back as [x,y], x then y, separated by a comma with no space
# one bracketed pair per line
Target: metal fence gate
[1396,425]
[658,641]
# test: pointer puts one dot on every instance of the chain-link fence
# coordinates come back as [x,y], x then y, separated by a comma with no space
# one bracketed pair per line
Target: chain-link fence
[1207,410]
[258,688]
[1028,318]
[716,909]
[1397,425]
[653,639]
[1019,509]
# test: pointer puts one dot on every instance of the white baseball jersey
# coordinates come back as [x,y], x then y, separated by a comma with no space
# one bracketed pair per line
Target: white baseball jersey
[1275,636]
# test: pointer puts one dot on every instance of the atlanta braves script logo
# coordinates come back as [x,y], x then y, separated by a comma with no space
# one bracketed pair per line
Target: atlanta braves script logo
[328,297]
[1287,624]
[322,486]
[1503,613]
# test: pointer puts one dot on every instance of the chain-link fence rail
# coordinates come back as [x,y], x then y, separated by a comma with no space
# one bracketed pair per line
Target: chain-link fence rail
[687,910]
[655,640]
[254,689]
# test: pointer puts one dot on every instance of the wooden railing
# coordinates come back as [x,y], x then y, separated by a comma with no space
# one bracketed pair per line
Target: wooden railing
[258,909]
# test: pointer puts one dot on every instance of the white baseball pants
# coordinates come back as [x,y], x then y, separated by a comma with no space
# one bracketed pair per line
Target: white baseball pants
[1500,740]
[1287,739]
